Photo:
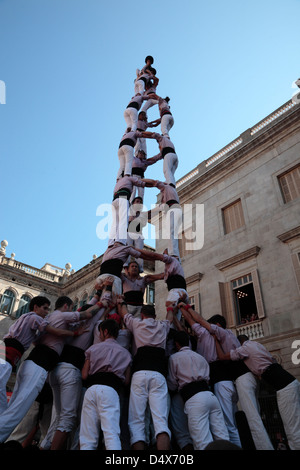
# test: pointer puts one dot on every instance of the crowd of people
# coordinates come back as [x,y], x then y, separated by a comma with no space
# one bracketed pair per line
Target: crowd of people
[113,376]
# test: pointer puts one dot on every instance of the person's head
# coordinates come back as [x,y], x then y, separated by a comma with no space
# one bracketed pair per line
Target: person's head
[64,304]
[148,311]
[181,339]
[217,320]
[152,70]
[108,329]
[133,268]
[141,155]
[149,60]
[142,116]
[242,338]
[39,305]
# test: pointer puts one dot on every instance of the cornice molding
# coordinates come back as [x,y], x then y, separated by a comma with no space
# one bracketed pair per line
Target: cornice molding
[237,259]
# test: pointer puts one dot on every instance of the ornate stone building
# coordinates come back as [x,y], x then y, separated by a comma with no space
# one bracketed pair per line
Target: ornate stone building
[248,266]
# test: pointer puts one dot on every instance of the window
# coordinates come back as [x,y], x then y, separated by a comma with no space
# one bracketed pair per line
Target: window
[233,216]
[244,299]
[290,184]
[23,306]
[150,294]
[7,302]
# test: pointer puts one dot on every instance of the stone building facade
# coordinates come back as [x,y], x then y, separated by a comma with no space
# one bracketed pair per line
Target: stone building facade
[248,265]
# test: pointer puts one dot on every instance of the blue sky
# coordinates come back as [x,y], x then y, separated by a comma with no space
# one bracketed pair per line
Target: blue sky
[68,67]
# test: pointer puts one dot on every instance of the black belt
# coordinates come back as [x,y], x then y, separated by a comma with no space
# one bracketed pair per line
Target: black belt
[176,282]
[190,389]
[171,202]
[276,376]
[134,105]
[138,171]
[129,142]
[219,371]
[44,357]
[122,193]
[105,378]
[112,266]
[167,150]
[150,358]
[134,297]
[73,355]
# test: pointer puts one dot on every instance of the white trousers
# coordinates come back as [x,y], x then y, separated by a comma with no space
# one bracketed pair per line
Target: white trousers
[29,382]
[118,229]
[225,392]
[166,124]
[117,283]
[139,86]
[5,373]
[148,104]
[205,419]
[147,386]
[288,400]
[247,390]
[101,408]
[125,154]
[141,144]
[65,381]
[131,118]
[172,228]
[169,167]
[179,421]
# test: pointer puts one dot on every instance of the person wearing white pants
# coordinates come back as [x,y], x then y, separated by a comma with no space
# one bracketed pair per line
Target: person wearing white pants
[106,369]
[189,374]
[261,363]
[247,388]
[132,110]
[18,339]
[148,382]
[168,153]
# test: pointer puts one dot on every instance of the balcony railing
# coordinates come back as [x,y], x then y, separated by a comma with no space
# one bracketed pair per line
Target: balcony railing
[253,330]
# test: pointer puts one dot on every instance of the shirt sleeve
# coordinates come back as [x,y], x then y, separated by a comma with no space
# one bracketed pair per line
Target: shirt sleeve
[238,353]
[129,321]
[133,252]
[219,332]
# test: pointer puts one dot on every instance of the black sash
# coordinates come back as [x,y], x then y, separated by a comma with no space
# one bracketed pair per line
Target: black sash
[135,297]
[192,388]
[127,142]
[166,150]
[219,371]
[105,378]
[73,355]
[112,266]
[44,357]
[176,282]
[124,192]
[150,358]
[138,171]
[135,105]
[277,377]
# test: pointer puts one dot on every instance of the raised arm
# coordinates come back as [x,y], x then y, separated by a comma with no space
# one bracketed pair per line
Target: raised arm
[221,355]
[153,277]
[195,315]
[150,255]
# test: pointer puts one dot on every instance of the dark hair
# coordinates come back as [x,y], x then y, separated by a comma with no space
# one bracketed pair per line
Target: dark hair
[111,326]
[62,301]
[217,319]
[148,310]
[39,301]
[182,338]
[242,338]
[153,70]
[149,57]
[167,99]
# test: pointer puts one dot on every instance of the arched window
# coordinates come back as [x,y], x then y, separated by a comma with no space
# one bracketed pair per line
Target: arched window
[23,305]
[7,302]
